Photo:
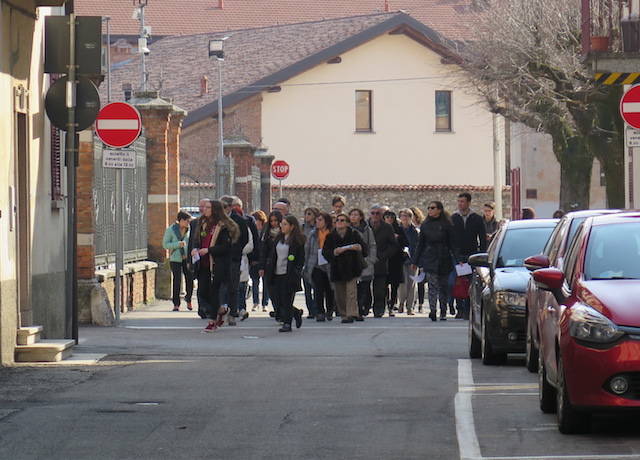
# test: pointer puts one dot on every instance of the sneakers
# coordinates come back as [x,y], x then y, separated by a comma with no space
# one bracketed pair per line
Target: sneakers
[211,327]
[410,313]
[297,315]
[432,316]
[443,318]
[285,328]
[176,309]
[420,308]
[264,309]
[320,318]
[189,306]
[244,314]
[255,307]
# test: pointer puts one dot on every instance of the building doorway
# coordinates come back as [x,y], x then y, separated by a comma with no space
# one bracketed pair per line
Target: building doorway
[22,220]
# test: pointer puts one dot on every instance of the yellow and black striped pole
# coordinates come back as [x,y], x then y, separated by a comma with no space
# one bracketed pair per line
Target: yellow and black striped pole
[617,78]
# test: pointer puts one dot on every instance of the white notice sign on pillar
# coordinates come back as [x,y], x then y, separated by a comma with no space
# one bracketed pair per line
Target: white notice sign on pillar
[633,137]
[119,158]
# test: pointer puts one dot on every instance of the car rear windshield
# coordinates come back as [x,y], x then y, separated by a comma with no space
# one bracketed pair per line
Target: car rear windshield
[520,243]
[613,252]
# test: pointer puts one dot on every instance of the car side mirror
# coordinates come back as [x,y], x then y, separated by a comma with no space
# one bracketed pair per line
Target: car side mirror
[534,263]
[548,279]
[480,260]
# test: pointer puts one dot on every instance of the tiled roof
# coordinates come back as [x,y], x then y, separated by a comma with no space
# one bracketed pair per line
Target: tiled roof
[181,17]
[255,59]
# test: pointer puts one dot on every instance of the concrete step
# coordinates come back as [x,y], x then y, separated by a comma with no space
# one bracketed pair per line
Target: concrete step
[29,335]
[44,351]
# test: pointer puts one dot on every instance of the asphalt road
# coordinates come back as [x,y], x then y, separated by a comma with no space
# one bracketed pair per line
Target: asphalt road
[391,388]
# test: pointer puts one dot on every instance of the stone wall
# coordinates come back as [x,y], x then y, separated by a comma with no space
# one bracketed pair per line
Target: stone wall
[394,196]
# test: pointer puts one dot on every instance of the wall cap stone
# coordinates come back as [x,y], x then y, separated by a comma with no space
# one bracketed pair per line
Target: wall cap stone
[108,273]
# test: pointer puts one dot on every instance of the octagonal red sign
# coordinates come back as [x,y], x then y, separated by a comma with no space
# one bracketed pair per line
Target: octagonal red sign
[280,169]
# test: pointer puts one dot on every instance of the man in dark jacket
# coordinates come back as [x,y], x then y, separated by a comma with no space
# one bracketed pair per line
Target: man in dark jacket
[469,237]
[230,291]
[386,248]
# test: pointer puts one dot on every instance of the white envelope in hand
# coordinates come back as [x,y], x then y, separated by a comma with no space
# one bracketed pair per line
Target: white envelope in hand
[195,258]
[463,269]
[419,278]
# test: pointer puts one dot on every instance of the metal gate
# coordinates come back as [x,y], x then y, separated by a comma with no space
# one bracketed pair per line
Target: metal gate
[256,188]
[135,207]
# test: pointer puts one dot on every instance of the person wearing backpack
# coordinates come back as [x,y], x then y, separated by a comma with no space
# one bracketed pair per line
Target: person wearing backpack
[176,240]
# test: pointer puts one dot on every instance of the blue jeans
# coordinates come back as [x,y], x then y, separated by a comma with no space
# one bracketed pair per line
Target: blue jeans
[309,298]
[255,291]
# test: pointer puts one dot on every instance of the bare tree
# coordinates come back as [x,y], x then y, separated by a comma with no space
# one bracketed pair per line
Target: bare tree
[526,61]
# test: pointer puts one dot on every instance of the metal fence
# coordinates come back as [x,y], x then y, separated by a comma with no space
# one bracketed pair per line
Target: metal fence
[135,207]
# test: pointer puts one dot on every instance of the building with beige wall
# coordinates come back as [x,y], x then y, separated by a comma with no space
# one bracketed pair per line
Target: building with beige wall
[312,126]
[32,219]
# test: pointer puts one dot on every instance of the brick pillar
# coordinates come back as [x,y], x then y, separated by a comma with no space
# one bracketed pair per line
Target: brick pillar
[86,256]
[263,160]
[242,153]
[173,161]
[156,118]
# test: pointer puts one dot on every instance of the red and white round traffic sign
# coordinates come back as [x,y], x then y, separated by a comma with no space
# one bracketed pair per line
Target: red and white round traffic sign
[280,169]
[630,107]
[118,124]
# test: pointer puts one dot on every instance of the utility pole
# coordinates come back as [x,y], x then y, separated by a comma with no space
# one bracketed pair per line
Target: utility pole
[142,42]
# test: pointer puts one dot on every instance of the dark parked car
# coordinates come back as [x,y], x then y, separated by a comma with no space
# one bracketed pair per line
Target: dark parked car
[552,256]
[589,332]
[498,286]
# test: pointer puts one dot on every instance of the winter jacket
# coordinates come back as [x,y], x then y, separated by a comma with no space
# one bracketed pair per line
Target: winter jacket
[369,239]
[346,266]
[386,247]
[470,237]
[397,261]
[434,253]
[238,246]
[295,264]
[219,254]
[171,242]
[412,235]
[244,263]
[311,255]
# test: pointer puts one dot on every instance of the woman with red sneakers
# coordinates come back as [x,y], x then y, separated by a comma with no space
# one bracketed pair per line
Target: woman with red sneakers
[211,256]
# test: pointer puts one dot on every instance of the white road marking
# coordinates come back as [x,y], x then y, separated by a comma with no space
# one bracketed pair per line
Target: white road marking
[465,427]
[564,457]
[468,444]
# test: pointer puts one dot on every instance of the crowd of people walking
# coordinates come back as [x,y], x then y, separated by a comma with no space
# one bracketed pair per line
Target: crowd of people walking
[349,264]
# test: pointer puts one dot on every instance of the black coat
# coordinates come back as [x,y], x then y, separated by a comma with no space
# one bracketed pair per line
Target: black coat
[435,246]
[295,264]
[346,266]
[396,262]
[386,246]
[469,238]
[221,254]
[253,256]
[238,246]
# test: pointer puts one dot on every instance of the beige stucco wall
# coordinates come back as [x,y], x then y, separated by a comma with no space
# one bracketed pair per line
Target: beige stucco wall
[313,127]
[21,48]
[533,153]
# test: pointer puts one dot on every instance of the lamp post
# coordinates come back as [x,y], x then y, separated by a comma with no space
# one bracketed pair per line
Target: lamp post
[223,169]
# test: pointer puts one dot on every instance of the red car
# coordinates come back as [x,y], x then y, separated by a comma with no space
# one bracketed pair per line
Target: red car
[589,330]
[552,256]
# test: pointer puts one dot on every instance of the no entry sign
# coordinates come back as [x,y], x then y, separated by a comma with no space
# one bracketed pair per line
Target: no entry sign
[280,169]
[118,124]
[630,107]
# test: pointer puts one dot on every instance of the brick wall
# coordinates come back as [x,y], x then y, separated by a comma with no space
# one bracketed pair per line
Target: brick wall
[138,284]
[199,142]
[85,207]
[396,197]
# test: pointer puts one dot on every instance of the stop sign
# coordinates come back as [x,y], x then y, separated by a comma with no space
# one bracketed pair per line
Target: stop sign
[118,124]
[630,107]
[280,169]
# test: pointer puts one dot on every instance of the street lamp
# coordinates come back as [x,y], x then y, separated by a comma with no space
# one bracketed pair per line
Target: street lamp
[223,169]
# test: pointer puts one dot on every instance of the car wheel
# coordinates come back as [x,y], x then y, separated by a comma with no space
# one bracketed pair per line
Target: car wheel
[475,346]
[488,355]
[546,392]
[570,421]
[531,357]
